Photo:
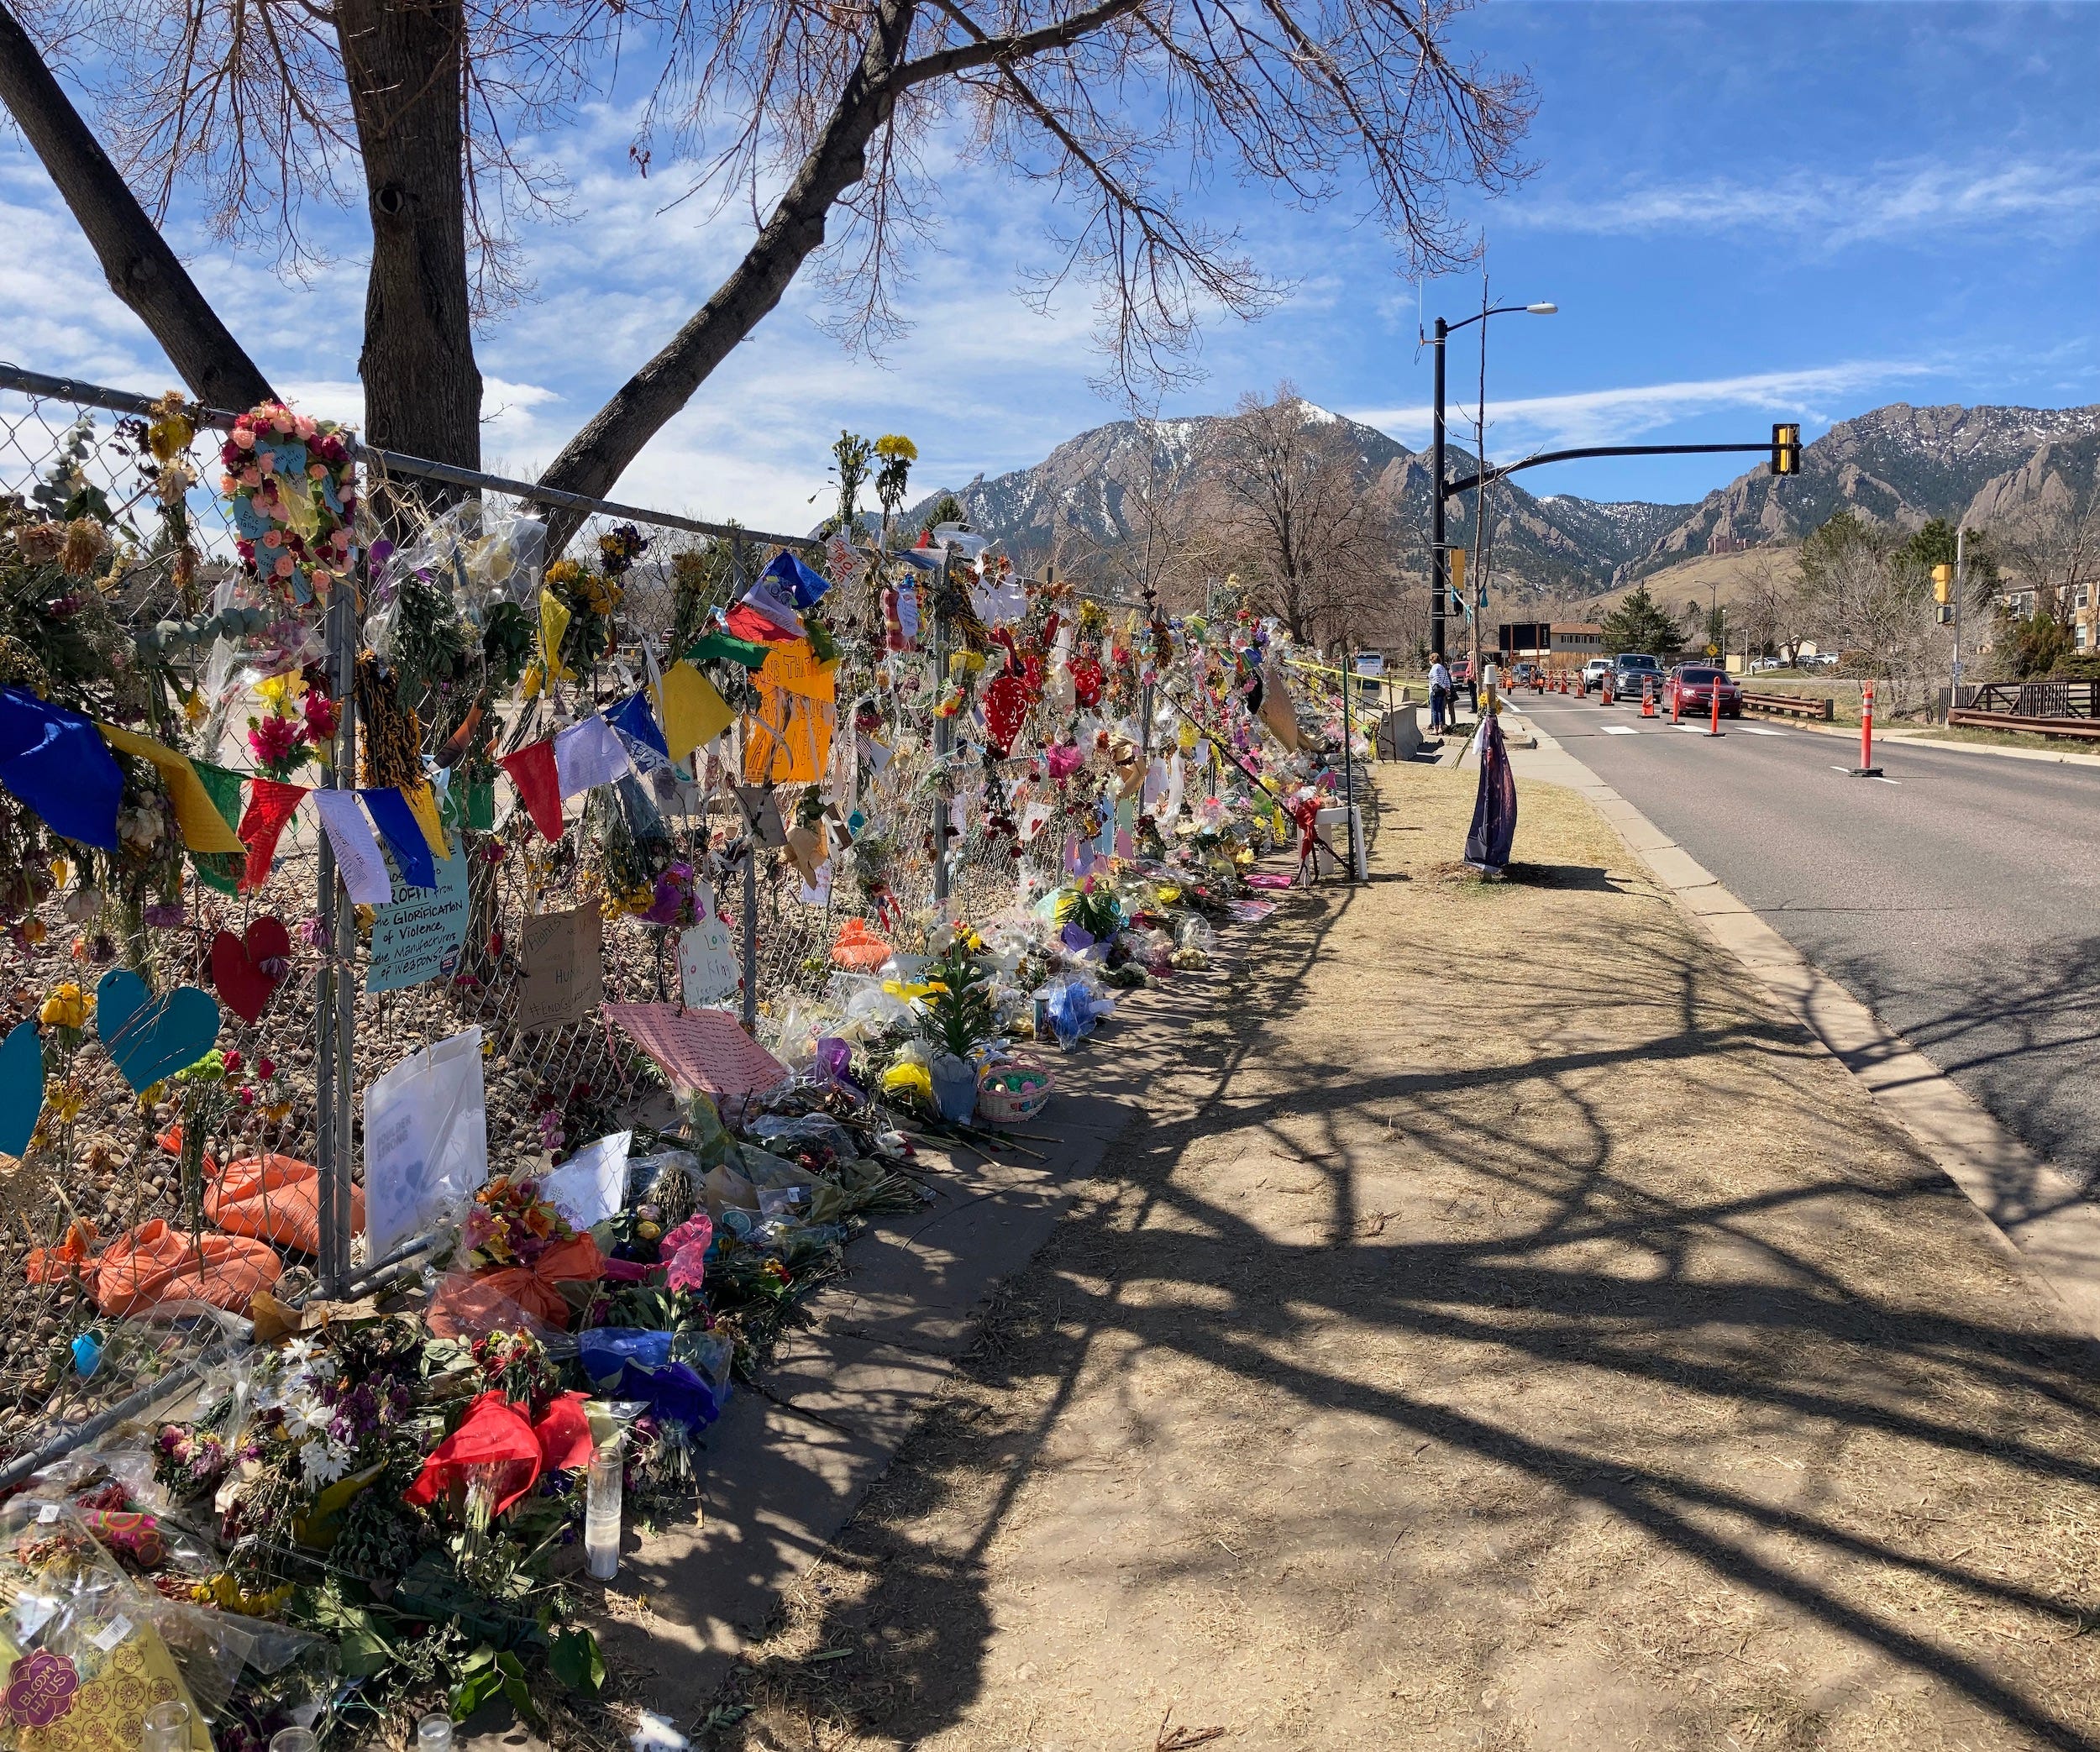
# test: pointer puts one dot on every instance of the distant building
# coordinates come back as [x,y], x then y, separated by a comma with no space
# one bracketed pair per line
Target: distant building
[1562,645]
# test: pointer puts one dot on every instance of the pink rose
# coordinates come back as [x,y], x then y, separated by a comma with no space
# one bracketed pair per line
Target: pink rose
[284,568]
[273,538]
[243,438]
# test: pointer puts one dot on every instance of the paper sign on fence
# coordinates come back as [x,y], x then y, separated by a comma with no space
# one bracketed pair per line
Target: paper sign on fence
[421,934]
[708,970]
[564,968]
[426,1141]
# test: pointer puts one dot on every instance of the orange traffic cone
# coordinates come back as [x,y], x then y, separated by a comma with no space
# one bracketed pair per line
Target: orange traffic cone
[1677,700]
[1647,698]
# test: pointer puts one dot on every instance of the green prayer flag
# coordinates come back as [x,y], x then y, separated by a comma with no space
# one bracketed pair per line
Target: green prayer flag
[750,653]
[221,870]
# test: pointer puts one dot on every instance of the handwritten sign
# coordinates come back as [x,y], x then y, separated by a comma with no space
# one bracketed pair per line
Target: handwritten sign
[700,1049]
[708,971]
[421,934]
[564,968]
[794,667]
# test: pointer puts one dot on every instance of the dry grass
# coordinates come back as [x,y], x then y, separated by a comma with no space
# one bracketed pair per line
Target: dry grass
[1447,1362]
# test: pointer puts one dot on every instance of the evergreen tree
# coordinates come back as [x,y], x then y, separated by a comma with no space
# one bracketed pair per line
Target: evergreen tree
[1637,624]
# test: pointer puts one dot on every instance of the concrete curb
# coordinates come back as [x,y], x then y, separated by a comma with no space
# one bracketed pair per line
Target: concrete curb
[2038,1213]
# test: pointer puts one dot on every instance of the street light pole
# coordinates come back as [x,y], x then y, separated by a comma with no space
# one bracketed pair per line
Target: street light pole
[1954,692]
[1436,587]
[1437,574]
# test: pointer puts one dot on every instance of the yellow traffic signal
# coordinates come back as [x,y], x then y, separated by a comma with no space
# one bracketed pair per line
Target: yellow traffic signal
[1786,449]
[1943,583]
[1458,571]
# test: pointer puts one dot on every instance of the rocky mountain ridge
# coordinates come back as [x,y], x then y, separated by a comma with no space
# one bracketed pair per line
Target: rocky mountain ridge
[1898,465]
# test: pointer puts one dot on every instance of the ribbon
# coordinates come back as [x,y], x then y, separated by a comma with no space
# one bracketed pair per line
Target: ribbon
[270,802]
[538,783]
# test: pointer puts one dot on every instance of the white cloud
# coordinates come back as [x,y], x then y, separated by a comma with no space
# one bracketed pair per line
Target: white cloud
[1621,415]
[1893,203]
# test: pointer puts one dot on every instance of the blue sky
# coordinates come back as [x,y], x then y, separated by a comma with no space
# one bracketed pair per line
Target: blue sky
[1745,212]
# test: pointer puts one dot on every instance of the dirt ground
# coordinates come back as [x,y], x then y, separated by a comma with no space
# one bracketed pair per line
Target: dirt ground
[1449,1359]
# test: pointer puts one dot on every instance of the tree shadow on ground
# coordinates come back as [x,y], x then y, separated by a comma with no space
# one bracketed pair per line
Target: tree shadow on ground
[1595,1266]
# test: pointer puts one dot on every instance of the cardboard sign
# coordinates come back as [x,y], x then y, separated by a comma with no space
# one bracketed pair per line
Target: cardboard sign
[700,1049]
[421,934]
[709,970]
[565,969]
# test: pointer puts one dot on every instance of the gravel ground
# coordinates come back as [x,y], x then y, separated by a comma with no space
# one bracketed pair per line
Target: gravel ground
[1442,1363]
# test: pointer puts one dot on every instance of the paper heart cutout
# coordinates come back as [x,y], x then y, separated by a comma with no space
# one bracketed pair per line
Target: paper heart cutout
[239,968]
[21,1086]
[152,1038]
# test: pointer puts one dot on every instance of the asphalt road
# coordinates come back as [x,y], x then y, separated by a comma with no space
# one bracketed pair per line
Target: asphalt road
[1960,898]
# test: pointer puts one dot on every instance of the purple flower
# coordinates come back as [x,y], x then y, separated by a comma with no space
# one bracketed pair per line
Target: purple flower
[163,916]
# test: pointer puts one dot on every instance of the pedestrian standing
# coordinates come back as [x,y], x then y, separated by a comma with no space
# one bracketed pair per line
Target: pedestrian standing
[1440,713]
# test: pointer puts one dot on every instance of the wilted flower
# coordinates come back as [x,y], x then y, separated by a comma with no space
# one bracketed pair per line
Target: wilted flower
[86,541]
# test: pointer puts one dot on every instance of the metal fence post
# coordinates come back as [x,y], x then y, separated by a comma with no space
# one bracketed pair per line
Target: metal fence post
[942,740]
[336,1014]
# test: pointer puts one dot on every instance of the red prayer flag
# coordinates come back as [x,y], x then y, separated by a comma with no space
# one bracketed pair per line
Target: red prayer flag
[532,771]
[270,802]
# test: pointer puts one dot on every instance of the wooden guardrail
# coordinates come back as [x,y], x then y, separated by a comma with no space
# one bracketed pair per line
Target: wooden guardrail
[2046,699]
[1794,706]
[2083,729]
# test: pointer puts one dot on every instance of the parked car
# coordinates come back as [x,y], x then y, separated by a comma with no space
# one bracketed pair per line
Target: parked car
[1693,686]
[1595,670]
[1461,671]
[1766,665]
[1633,670]
[1820,660]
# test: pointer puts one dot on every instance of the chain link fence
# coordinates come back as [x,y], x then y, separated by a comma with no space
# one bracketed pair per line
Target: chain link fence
[103,1158]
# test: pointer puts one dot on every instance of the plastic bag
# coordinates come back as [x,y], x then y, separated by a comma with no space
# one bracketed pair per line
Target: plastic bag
[783,1135]
[81,1659]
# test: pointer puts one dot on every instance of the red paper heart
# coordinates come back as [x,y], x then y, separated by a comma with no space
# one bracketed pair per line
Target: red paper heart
[237,968]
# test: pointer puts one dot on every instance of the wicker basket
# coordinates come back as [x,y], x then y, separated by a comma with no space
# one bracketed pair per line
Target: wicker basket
[1000,1105]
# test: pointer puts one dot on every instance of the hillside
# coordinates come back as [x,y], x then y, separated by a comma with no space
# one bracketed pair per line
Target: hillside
[1898,465]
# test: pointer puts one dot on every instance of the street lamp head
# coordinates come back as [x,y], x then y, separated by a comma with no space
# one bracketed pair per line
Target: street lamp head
[1543,310]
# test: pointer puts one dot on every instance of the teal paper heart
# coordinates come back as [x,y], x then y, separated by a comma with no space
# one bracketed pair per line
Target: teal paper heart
[152,1038]
[21,1087]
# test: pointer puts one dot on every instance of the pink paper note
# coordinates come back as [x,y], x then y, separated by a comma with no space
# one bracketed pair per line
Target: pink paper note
[700,1049]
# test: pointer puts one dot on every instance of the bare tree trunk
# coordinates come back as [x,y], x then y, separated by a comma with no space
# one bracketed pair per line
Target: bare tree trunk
[142,270]
[596,457]
[403,63]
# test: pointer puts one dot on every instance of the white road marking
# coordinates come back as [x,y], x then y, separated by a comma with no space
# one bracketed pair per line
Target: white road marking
[1760,730]
[1875,777]
[1620,730]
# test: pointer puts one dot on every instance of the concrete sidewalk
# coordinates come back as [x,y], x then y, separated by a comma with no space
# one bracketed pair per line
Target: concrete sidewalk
[1500,1325]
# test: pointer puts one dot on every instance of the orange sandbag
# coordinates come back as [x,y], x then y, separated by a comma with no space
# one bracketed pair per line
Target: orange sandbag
[858,948]
[468,1307]
[76,1253]
[153,1265]
[273,1198]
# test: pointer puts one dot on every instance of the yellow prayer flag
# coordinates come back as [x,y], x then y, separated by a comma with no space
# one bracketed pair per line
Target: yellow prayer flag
[204,829]
[691,710]
[554,622]
[423,804]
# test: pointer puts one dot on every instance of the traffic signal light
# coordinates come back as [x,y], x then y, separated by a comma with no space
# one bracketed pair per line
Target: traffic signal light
[1458,558]
[1943,595]
[1786,449]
